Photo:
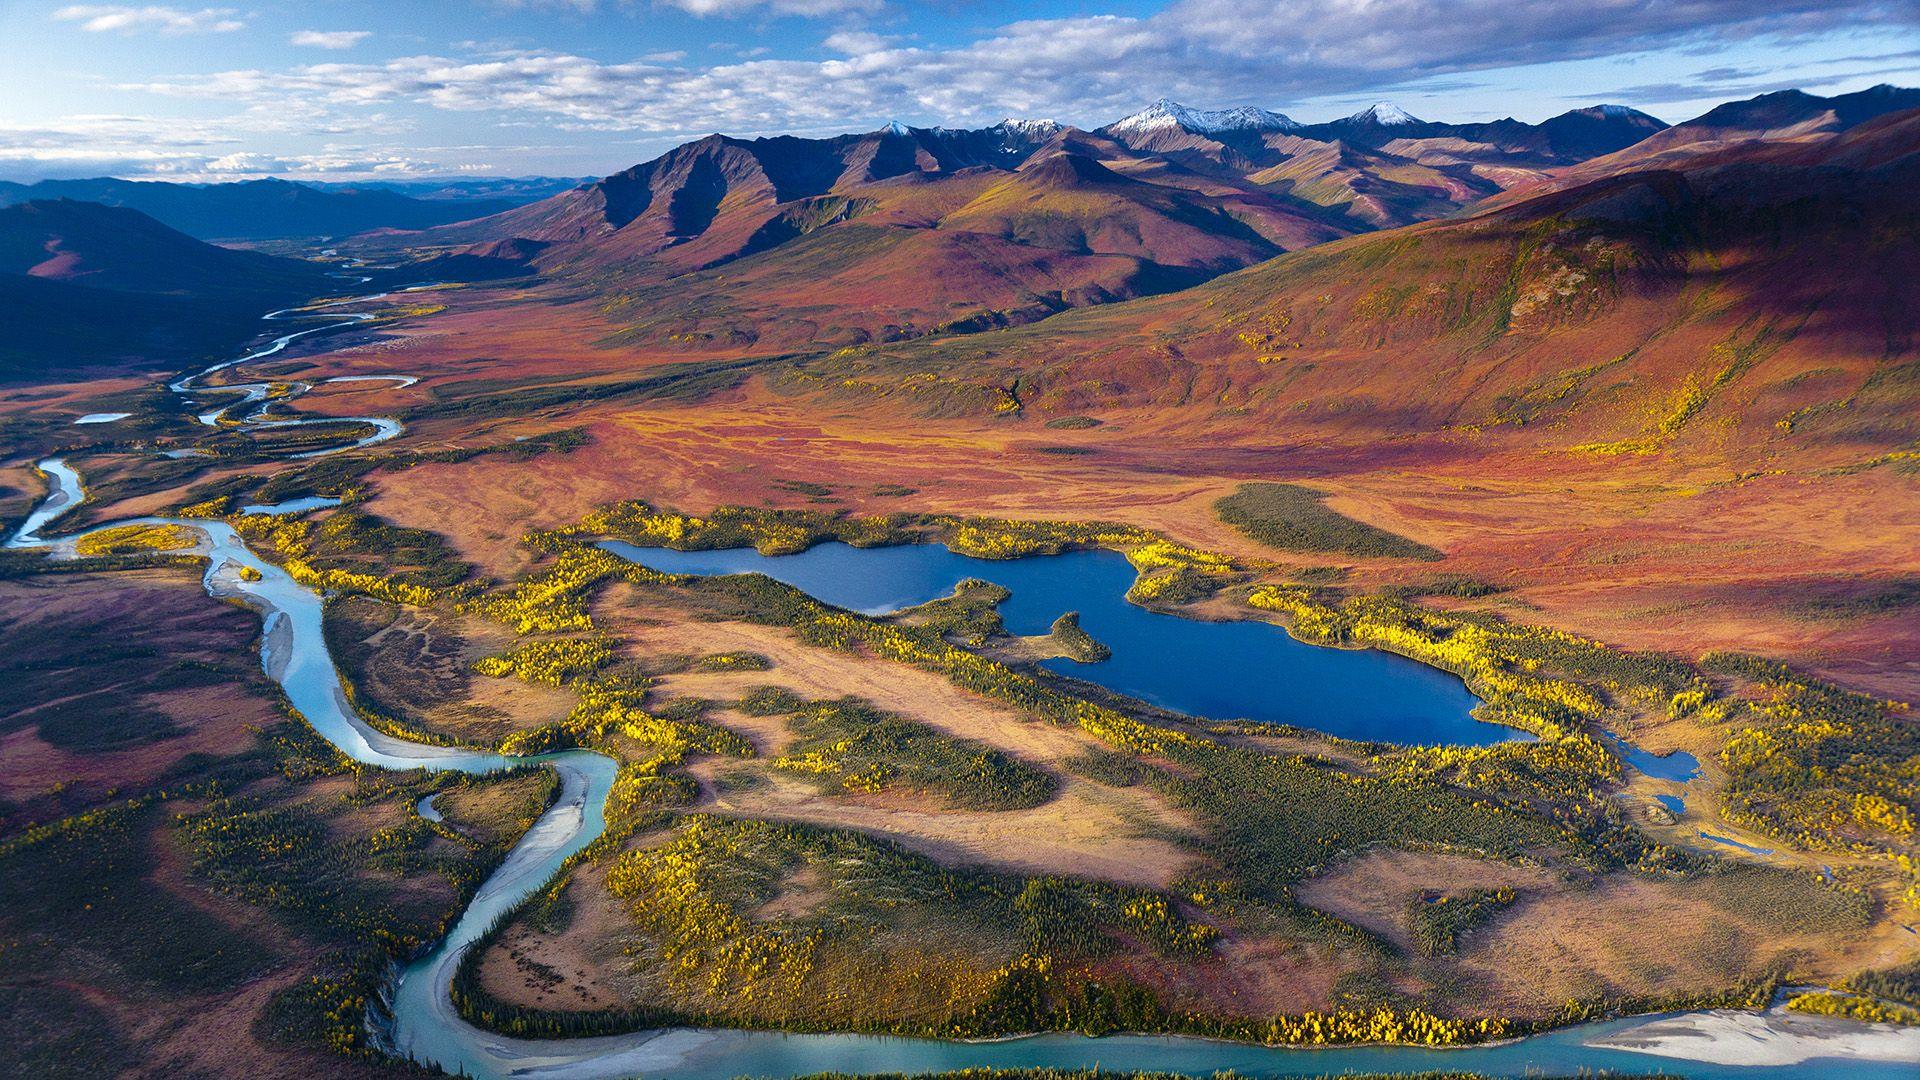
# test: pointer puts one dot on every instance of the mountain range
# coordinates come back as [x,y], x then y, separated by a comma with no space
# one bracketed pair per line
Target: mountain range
[1756,298]
[276,209]
[737,244]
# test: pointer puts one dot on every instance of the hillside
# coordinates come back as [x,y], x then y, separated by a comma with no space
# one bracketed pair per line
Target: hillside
[91,286]
[1765,305]
[786,243]
[1783,117]
[1380,167]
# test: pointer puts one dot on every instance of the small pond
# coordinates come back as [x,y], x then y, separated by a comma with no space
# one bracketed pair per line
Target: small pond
[1213,670]
[1728,841]
[1678,765]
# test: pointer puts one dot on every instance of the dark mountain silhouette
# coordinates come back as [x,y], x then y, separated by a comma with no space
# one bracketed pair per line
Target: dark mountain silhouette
[262,209]
[87,286]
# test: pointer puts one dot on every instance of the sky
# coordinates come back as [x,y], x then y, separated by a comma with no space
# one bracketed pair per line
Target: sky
[399,89]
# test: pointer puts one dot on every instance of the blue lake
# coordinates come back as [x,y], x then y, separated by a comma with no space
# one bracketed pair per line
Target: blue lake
[1212,670]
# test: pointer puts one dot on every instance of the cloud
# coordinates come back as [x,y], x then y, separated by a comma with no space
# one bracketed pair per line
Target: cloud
[1085,68]
[854,42]
[703,8]
[329,39]
[127,19]
[172,148]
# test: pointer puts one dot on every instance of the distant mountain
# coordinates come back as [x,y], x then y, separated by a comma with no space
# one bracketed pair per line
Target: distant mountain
[1600,129]
[735,244]
[1573,320]
[1370,187]
[1800,111]
[1381,166]
[1381,114]
[515,189]
[992,226]
[1572,136]
[1788,116]
[88,286]
[1166,114]
[262,209]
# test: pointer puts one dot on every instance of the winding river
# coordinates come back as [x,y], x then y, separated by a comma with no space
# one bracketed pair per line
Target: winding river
[256,393]
[425,1026]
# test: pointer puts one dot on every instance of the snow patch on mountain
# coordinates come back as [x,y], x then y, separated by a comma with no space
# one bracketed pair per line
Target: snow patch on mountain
[1164,115]
[1384,113]
[1029,130]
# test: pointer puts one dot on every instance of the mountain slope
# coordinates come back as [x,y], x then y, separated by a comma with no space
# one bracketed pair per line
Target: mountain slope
[1382,166]
[714,244]
[1788,116]
[115,248]
[718,243]
[88,286]
[967,252]
[1763,305]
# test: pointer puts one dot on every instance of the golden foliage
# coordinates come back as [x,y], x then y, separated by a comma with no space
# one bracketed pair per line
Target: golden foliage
[135,540]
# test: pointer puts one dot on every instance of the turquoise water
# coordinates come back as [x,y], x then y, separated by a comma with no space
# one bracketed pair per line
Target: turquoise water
[426,1027]
[1678,765]
[1212,670]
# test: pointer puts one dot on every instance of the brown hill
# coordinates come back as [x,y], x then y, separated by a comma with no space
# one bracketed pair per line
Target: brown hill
[790,243]
[797,244]
[108,247]
[1784,117]
[87,286]
[1747,306]
[1373,173]
[1374,188]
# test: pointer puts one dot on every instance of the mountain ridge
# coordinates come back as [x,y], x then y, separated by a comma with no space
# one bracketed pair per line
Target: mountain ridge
[1620,316]
[265,209]
[93,286]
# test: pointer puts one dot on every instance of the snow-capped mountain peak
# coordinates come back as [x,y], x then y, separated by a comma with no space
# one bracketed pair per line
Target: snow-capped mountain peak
[1032,130]
[1165,114]
[895,127]
[1384,113]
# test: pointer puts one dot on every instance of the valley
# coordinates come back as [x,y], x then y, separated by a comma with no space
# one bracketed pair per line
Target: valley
[694,544]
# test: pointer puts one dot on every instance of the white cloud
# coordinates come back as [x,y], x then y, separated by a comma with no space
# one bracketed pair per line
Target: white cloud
[854,42]
[98,144]
[127,19]
[1083,68]
[186,164]
[329,39]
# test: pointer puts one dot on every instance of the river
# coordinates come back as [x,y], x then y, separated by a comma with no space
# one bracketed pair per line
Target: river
[425,1025]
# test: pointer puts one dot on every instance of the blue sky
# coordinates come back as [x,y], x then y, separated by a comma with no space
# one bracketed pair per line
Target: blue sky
[352,89]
